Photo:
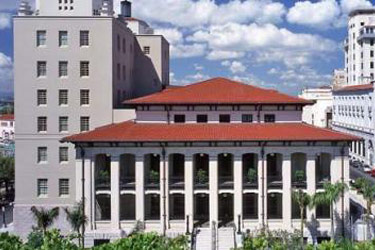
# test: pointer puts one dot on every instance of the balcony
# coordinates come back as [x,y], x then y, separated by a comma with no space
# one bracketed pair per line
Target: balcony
[152,183]
[366,32]
[346,44]
[102,183]
[274,181]
[176,182]
[226,181]
[127,183]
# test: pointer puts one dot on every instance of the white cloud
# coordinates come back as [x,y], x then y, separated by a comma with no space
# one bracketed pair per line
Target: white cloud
[6,73]
[195,13]
[5,20]
[349,5]
[303,76]
[223,54]
[235,66]
[198,67]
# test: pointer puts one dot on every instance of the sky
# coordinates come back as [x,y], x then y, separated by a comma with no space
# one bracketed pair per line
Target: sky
[287,45]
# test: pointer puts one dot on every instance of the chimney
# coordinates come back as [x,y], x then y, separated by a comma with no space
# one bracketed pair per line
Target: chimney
[24,9]
[126,8]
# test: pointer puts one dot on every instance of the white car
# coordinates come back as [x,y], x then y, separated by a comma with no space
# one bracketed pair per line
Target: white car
[367,169]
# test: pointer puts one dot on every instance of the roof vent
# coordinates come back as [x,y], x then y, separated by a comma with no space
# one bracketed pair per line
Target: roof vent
[24,9]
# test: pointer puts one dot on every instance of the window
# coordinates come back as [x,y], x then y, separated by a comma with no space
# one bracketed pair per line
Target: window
[202,118]
[41,69]
[247,118]
[63,124]
[124,73]
[42,97]
[84,39]
[63,97]
[224,118]
[371,53]
[63,69]
[124,45]
[269,118]
[41,38]
[146,50]
[63,38]
[85,97]
[42,124]
[63,154]
[118,42]
[372,42]
[85,123]
[371,65]
[85,68]
[42,187]
[42,154]
[118,71]
[63,187]
[179,118]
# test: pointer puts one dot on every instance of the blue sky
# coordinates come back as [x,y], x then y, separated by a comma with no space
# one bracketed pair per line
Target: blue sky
[286,45]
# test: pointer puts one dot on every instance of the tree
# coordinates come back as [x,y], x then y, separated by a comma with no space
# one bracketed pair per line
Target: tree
[303,200]
[77,219]
[329,196]
[44,217]
[368,192]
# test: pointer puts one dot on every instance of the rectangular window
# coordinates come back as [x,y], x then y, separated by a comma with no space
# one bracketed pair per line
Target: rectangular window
[42,187]
[85,69]
[42,124]
[202,118]
[63,38]
[63,97]
[85,97]
[247,118]
[118,71]
[63,154]
[224,118]
[63,187]
[63,69]
[63,124]
[84,38]
[371,65]
[371,53]
[42,154]
[179,118]
[146,50]
[42,97]
[41,38]
[124,45]
[372,42]
[118,42]
[85,123]
[124,73]
[269,118]
[41,69]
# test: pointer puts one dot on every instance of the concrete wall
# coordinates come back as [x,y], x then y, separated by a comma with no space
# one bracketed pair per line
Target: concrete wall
[80,7]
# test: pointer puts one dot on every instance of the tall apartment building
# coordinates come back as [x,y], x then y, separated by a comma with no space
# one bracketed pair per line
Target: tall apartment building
[75,63]
[359,47]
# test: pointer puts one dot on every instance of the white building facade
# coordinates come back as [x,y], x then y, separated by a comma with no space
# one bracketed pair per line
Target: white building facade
[359,47]
[75,63]
[6,127]
[353,111]
[320,113]
[218,156]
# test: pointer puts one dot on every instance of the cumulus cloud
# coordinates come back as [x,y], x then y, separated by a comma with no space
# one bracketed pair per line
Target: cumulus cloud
[5,20]
[6,73]
[195,13]
[235,66]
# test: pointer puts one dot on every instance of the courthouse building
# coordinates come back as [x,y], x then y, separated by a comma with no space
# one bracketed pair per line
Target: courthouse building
[213,155]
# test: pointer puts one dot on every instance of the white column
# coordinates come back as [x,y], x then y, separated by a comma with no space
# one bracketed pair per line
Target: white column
[189,191]
[238,190]
[164,190]
[115,192]
[139,189]
[311,184]
[262,190]
[287,195]
[214,192]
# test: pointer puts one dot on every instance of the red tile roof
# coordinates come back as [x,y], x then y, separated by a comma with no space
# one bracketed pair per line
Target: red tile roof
[218,91]
[130,131]
[7,117]
[356,88]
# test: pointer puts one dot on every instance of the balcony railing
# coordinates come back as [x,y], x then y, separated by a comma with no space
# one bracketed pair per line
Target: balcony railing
[199,184]
[102,183]
[127,183]
[226,181]
[151,183]
[299,184]
[249,184]
[320,181]
[275,181]
[176,182]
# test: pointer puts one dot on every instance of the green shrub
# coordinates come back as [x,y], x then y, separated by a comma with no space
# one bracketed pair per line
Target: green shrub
[35,239]
[10,242]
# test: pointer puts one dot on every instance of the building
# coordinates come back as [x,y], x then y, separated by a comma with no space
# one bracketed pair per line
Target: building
[338,78]
[209,155]
[75,63]
[320,113]
[6,127]
[359,47]
[353,109]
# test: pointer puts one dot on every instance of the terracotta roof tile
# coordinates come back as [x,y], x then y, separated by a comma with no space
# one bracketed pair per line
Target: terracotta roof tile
[7,117]
[218,91]
[356,88]
[130,131]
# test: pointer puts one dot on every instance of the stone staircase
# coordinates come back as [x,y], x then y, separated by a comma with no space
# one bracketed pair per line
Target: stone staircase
[203,239]
[226,238]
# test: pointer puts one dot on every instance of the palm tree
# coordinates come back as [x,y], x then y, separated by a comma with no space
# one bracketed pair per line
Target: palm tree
[329,196]
[368,192]
[44,217]
[303,200]
[77,218]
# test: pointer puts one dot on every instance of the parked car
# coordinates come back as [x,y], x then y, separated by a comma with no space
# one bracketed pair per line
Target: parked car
[367,169]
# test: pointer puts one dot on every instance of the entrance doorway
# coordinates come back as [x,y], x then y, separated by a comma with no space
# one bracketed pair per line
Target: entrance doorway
[225,209]
[201,210]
